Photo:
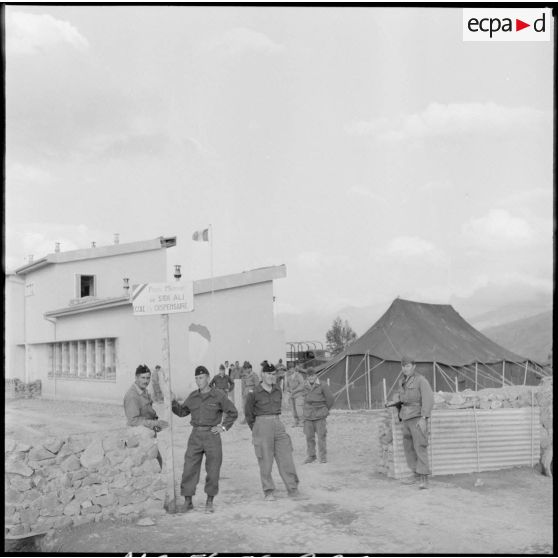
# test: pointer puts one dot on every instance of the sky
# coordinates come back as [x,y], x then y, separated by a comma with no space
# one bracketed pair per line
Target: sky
[370,150]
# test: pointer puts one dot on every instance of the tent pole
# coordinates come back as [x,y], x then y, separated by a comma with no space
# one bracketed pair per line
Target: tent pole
[368,390]
[525,373]
[347,382]
[503,373]
[434,375]
[476,376]
[385,390]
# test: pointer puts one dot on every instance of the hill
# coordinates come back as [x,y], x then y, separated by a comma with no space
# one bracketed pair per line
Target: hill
[530,337]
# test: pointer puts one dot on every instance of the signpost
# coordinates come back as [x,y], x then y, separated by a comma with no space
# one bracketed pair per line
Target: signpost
[150,299]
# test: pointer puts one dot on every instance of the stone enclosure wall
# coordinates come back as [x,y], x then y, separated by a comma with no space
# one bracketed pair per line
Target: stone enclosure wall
[79,479]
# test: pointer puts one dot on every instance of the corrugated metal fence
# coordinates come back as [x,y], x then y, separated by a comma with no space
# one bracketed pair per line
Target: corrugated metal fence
[473,440]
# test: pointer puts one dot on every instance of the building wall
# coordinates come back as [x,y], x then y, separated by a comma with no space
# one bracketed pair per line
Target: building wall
[14,353]
[240,321]
[53,286]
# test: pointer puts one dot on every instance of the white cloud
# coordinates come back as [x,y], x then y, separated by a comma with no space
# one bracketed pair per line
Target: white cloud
[17,173]
[529,196]
[38,239]
[366,193]
[240,40]
[439,120]
[311,260]
[414,247]
[30,33]
[497,229]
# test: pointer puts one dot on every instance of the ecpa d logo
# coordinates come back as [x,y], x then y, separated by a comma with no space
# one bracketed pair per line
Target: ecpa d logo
[507,24]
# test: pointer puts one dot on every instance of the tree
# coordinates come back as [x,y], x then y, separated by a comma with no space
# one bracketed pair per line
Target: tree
[340,336]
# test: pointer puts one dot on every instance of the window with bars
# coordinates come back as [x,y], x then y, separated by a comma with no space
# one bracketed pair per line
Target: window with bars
[83,359]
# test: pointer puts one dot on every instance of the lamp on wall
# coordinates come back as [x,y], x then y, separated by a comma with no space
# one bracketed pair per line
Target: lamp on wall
[126,281]
[177,272]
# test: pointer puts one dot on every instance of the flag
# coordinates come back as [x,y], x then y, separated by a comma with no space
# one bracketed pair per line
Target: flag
[201,235]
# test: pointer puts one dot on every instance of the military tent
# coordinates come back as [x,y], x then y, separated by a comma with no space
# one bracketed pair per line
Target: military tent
[448,351]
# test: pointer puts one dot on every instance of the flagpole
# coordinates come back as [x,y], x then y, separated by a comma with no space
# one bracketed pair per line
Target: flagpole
[213,321]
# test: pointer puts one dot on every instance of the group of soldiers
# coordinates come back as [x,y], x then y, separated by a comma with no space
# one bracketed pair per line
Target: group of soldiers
[213,413]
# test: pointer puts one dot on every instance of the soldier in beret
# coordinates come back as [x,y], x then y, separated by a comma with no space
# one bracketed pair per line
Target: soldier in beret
[270,439]
[207,407]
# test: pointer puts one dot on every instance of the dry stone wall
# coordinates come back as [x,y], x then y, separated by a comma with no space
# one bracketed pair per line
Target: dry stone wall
[80,479]
[16,389]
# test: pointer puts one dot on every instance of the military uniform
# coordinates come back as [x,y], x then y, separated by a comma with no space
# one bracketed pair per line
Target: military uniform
[207,410]
[318,400]
[417,400]
[270,439]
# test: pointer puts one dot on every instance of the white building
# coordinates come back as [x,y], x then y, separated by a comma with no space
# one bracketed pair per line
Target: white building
[69,321]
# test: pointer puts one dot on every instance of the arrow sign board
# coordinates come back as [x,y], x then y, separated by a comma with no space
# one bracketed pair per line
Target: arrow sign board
[162,298]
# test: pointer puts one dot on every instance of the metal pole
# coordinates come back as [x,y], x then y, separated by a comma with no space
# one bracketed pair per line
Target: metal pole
[503,373]
[525,373]
[434,375]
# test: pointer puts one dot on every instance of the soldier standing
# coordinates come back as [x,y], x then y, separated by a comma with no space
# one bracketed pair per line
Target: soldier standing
[417,400]
[271,441]
[318,400]
[207,406]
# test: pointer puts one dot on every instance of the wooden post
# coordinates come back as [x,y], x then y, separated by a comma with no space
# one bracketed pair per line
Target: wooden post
[369,381]
[385,390]
[476,376]
[347,382]
[168,458]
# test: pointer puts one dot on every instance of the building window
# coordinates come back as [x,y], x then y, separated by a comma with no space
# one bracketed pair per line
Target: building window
[85,286]
[84,359]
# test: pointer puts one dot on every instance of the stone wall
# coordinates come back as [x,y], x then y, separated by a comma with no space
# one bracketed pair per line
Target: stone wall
[79,479]
[15,388]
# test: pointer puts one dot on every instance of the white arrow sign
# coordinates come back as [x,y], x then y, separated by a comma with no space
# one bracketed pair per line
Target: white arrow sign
[162,298]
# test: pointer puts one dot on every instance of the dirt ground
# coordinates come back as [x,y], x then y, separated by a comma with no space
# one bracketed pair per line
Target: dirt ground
[347,507]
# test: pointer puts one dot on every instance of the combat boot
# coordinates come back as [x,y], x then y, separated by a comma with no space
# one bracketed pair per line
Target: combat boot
[411,480]
[188,506]
[423,482]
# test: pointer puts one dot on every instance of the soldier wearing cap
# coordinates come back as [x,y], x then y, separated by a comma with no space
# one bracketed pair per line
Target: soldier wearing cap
[417,400]
[207,407]
[270,439]
[318,400]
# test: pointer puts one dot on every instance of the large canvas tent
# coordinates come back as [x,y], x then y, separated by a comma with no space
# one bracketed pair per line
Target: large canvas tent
[449,352]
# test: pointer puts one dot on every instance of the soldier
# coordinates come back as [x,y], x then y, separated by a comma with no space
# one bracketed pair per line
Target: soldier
[295,389]
[222,381]
[207,406]
[417,400]
[138,405]
[318,400]
[271,441]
